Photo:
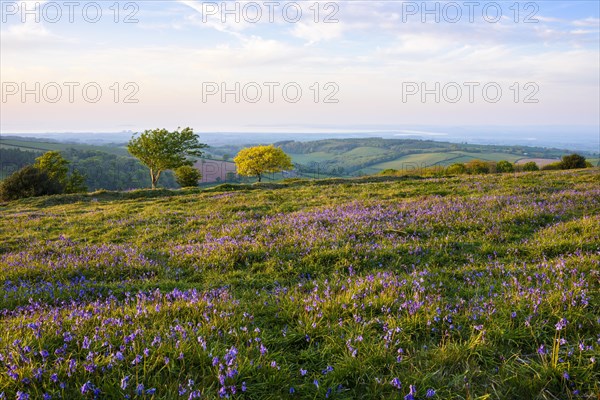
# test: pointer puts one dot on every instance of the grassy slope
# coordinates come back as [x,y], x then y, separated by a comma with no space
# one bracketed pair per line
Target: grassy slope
[450,284]
[444,158]
[39,146]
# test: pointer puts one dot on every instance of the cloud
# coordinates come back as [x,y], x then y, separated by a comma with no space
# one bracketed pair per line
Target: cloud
[313,33]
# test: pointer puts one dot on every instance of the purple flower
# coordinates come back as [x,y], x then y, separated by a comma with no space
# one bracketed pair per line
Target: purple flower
[87,387]
[292,390]
[124,382]
[430,393]
[22,396]
[303,372]
[396,383]
[244,388]
[263,349]
[139,390]
[151,391]
[412,391]
[561,324]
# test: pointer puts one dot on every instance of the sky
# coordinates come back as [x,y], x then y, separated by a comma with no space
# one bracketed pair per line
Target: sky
[334,66]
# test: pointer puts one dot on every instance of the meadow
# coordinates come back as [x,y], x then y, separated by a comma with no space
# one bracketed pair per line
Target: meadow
[471,287]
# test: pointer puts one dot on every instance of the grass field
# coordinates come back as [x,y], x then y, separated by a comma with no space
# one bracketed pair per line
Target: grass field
[413,161]
[42,147]
[483,287]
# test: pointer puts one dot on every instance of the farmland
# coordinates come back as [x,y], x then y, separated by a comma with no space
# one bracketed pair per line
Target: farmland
[387,287]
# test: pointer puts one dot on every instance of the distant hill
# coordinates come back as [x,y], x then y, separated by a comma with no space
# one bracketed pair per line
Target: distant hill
[112,167]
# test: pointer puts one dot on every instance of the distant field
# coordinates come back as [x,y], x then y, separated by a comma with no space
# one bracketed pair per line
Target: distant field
[539,161]
[47,146]
[441,158]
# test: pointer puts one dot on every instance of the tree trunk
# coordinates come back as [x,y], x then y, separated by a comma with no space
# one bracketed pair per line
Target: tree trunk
[259,177]
[154,177]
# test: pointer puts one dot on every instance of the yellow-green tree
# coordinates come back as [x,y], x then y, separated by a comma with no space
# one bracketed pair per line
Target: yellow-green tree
[260,160]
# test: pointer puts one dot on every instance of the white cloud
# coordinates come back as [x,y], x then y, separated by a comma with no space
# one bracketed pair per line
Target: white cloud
[313,33]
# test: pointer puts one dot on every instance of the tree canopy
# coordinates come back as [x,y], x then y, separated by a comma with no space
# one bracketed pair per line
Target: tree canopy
[56,167]
[260,160]
[161,150]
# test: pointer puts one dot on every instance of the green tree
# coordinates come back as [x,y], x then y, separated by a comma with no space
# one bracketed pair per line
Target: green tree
[260,160]
[187,176]
[57,168]
[504,166]
[573,161]
[75,183]
[161,150]
[29,182]
[54,164]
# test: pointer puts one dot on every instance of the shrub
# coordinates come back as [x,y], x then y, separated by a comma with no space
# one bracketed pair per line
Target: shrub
[28,182]
[573,161]
[478,167]
[530,166]
[389,171]
[553,167]
[456,169]
[187,176]
[504,166]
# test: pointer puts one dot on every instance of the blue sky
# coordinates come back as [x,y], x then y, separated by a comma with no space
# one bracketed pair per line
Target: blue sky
[373,53]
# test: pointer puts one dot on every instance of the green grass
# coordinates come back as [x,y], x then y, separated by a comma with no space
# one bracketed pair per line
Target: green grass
[39,146]
[443,159]
[478,287]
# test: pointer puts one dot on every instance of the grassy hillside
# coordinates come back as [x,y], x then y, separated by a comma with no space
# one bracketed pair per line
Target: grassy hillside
[478,287]
[372,155]
[40,146]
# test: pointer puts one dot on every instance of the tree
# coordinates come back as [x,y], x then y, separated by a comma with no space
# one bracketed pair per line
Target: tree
[573,161]
[29,182]
[54,164]
[530,166]
[75,183]
[161,150]
[56,167]
[504,166]
[259,160]
[187,176]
